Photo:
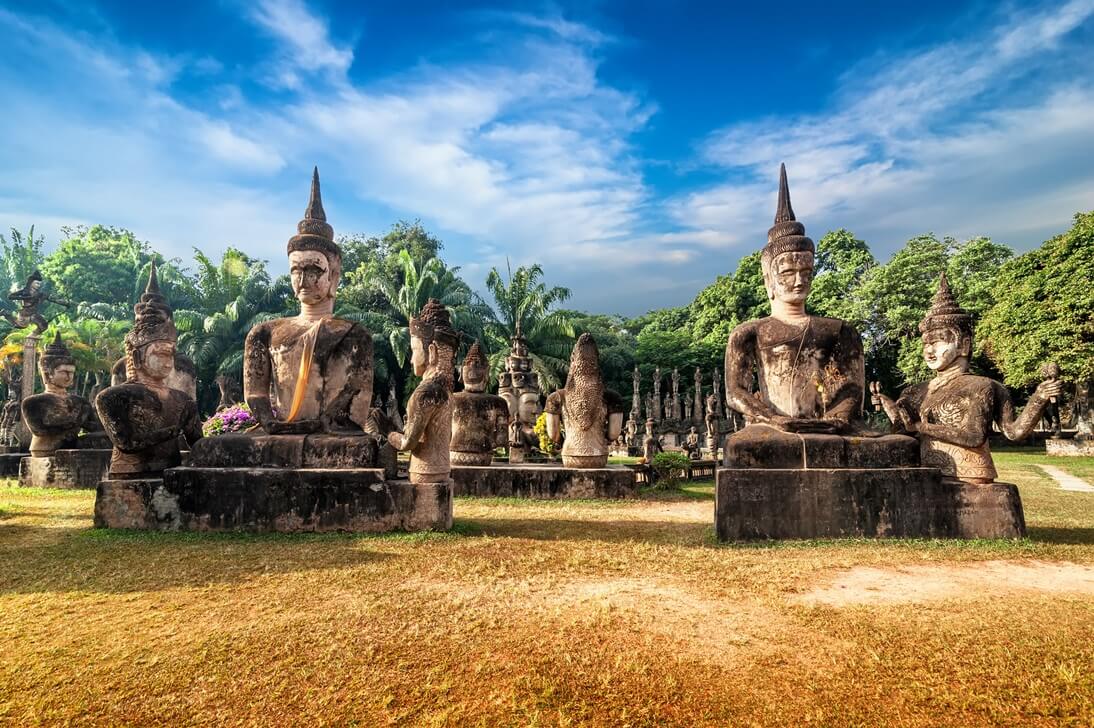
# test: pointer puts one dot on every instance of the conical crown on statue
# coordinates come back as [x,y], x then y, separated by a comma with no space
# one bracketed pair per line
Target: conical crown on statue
[152,316]
[787,235]
[945,311]
[313,232]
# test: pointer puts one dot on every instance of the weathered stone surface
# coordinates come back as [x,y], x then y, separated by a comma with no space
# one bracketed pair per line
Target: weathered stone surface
[762,446]
[270,499]
[852,502]
[65,469]
[544,481]
[1069,448]
[480,421]
[237,450]
[9,463]
[590,414]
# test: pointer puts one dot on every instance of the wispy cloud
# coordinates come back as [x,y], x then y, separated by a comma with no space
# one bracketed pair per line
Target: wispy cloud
[951,137]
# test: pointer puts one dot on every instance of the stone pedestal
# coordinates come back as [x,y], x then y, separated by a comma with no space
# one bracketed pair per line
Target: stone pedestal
[1061,447]
[270,499]
[544,481]
[65,469]
[9,463]
[784,485]
[839,503]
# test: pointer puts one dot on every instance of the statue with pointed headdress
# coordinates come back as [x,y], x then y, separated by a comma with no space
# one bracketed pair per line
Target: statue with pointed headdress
[30,298]
[55,416]
[311,372]
[480,421]
[428,431]
[809,369]
[590,414]
[952,414]
[144,416]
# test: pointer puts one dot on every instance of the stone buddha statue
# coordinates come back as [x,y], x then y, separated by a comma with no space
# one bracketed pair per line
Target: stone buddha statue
[428,432]
[809,368]
[651,444]
[311,372]
[691,443]
[952,414]
[480,421]
[144,416]
[591,414]
[55,417]
[183,377]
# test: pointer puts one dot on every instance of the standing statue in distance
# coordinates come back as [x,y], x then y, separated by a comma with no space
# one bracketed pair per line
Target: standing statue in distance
[712,421]
[810,368]
[480,421]
[30,298]
[651,444]
[591,414]
[691,444]
[428,431]
[952,414]
[144,416]
[56,416]
[313,368]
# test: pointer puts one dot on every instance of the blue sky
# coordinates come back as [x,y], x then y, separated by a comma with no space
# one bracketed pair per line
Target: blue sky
[632,148]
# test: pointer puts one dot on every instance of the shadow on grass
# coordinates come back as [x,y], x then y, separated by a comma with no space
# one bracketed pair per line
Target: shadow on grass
[36,559]
[1051,534]
[555,529]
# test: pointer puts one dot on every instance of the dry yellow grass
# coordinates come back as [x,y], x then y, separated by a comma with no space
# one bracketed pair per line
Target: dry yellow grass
[548,613]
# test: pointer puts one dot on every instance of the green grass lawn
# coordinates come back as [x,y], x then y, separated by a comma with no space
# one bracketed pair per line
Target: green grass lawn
[548,613]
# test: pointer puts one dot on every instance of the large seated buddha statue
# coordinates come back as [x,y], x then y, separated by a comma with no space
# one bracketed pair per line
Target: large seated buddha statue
[307,378]
[808,370]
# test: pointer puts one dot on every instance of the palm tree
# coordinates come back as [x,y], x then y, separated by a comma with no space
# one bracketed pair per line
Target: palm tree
[525,306]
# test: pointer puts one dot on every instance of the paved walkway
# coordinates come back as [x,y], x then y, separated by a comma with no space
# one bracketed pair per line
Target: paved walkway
[1066,480]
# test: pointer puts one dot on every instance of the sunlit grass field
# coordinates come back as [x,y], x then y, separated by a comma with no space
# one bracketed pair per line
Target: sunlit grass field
[548,613]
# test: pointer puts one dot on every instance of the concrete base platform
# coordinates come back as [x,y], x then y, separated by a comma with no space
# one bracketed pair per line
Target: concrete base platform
[544,481]
[65,469]
[760,503]
[269,499]
[9,463]
[1061,447]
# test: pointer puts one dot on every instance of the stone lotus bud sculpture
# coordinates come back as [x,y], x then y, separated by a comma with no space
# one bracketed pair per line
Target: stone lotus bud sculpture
[810,368]
[55,417]
[480,421]
[591,414]
[316,370]
[952,414]
[428,431]
[144,416]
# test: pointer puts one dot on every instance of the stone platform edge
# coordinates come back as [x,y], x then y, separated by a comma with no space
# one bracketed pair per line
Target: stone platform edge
[273,500]
[543,481]
[756,503]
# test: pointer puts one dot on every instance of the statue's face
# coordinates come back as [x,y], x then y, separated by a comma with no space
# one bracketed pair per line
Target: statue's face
[311,276]
[158,360]
[529,407]
[419,355]
[474,377]
[34,286]
[942,348]
[63,376]
[790,277]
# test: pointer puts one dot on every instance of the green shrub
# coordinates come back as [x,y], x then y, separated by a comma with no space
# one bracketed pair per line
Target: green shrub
[670,467]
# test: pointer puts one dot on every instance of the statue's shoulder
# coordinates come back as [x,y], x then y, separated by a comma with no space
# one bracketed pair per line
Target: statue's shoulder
[746,332]
[832,326]
[347,330]
[555,400]
[121,396]
[430,393]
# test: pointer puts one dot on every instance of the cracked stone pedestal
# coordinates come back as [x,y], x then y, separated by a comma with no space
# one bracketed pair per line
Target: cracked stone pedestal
[778,485]
[544,481]
[82,468]
[285,483]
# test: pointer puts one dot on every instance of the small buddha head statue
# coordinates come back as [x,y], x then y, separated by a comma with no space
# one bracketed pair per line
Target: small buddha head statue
[150,344]
[433,341]
[475,372]
[947,331]
[315,260]
[528,408]
[787,259]
[58,367]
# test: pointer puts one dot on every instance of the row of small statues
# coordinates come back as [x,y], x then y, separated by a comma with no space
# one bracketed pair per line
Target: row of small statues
[313,373]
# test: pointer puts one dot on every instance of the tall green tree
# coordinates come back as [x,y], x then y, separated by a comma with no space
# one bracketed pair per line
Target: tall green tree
[842,262]
[1045,309]
[525,303]
[19,257]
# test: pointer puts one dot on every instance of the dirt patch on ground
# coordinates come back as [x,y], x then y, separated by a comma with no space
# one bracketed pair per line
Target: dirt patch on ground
[929,582]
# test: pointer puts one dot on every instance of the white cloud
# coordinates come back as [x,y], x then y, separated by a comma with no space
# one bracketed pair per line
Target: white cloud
[949,138]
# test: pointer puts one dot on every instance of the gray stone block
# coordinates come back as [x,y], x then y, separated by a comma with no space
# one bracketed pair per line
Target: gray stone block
[760,446]
[65,469]
[757,503]
[544,481]
[271,499]
[9,463]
